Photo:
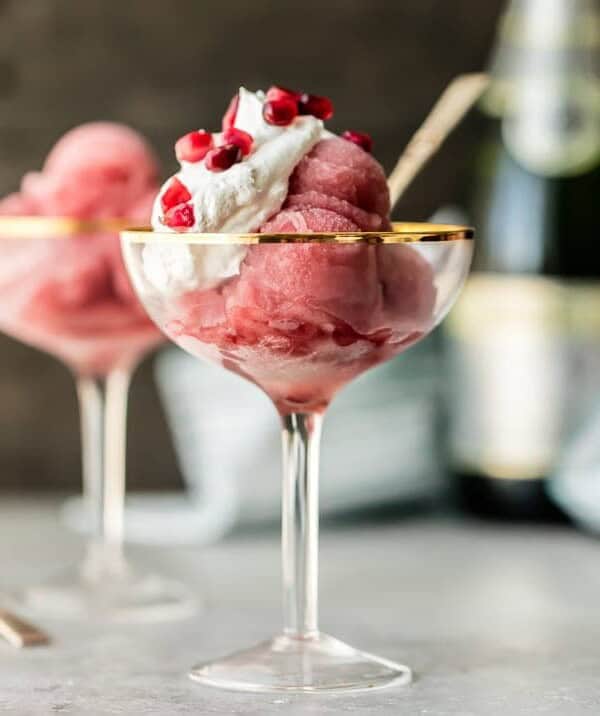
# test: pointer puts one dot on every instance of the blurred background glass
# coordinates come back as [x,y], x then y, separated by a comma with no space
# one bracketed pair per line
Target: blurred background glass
[168,68]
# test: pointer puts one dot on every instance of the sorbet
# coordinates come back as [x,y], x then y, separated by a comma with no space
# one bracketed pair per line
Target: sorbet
[299,319]
[72,296]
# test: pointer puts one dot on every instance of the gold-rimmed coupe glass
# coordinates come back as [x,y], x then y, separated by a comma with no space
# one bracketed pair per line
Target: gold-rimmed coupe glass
[64,289]
[300,315]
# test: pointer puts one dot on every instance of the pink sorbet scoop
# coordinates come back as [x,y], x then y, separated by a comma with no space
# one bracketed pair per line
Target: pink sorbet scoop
[299,319]
[72,296]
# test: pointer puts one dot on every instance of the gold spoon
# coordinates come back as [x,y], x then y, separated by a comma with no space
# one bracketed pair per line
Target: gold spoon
[20,633]
[455,101]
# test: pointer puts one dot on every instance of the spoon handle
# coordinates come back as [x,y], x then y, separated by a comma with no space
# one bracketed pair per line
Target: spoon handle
[455,101]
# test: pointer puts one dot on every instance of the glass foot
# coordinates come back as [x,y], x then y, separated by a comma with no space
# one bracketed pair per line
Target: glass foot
[320,663]
[109,591]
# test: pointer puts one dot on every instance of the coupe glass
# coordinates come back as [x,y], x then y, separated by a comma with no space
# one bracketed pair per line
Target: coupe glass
[64,290]
[299,316]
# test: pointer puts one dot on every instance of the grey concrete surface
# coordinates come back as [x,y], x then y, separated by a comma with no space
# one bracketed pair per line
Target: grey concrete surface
[495,621]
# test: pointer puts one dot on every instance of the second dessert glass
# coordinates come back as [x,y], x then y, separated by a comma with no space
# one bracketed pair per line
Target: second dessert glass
[299,315]
[64,289]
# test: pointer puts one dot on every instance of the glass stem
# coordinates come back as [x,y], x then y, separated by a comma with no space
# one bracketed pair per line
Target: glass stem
[300,522]
[103,410]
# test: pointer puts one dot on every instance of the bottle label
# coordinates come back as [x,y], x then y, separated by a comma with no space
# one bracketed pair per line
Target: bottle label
[546,86]
[525,364]
[553,128]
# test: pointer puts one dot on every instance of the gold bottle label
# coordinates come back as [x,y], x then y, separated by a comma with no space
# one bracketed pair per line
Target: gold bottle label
[525,366]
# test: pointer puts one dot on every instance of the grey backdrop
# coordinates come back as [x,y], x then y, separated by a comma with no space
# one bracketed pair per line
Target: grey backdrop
[166,67]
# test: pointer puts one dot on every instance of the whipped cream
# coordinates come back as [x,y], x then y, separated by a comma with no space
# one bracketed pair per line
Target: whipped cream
[237,200]
[241,198]
[175,267]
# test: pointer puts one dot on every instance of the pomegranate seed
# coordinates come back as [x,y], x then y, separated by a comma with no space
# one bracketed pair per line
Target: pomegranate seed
[361,138]
[280,111]
[230,113]
[221,158]
[240,138]
[179,217]
[319,107]
[176,193]
[192,147]
[277,92]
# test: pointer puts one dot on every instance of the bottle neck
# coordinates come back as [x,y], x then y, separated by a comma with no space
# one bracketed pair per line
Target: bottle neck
[546,85]
[550,24]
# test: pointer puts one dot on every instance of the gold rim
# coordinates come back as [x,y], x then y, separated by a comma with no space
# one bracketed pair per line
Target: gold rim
[40,227]
[402,233]
[64,226]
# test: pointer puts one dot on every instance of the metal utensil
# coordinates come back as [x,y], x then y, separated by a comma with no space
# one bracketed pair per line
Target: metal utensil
[456,100]
[20,633]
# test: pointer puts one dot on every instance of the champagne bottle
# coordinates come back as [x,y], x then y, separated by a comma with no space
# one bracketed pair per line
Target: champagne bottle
[524,339]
